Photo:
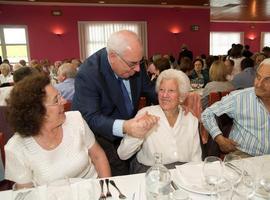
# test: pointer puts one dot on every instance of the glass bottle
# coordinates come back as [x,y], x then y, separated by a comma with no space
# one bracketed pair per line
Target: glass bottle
[158,179]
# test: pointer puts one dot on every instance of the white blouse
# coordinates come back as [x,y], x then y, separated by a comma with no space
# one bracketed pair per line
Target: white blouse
[27,161]
[179,143]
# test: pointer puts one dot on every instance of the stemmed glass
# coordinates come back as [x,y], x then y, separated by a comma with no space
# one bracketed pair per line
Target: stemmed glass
[212,173]
[59,190]
[246,188]
[233,170]
[263,185]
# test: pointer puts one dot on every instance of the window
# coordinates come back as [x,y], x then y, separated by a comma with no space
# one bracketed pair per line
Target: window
[93,35]
[265,39]
[14,43]
[221,42]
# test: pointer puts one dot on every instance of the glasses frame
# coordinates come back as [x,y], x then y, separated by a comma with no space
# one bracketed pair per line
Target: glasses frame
[131,65]
[264,80]
[59,99]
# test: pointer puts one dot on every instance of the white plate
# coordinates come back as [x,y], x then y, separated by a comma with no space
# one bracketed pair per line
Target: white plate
[192,172]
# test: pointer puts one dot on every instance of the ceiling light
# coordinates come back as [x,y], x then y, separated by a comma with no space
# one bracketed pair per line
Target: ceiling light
[32,0]
[163,3]
[101,2]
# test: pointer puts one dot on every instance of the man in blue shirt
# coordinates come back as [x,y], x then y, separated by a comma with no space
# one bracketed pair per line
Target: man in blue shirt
[250,110]
[66,76]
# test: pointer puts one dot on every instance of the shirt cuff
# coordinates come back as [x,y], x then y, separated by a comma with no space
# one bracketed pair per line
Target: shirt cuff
[118,128]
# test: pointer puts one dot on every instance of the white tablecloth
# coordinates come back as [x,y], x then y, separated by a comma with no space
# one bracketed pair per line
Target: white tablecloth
[133,186]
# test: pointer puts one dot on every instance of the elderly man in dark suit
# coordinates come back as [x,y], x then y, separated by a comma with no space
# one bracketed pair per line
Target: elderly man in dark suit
[107,91]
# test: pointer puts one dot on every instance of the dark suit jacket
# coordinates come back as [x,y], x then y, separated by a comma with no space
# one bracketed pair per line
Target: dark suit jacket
[98,94]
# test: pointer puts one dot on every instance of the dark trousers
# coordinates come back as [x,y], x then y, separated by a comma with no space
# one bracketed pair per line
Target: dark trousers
[118,166]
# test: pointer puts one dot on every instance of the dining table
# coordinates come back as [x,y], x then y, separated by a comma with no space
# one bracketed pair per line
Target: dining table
[132,186]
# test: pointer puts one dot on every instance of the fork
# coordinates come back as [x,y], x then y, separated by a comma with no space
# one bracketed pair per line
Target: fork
[102,195]
[22,195]
[245,173]
[108,191]
[121,195]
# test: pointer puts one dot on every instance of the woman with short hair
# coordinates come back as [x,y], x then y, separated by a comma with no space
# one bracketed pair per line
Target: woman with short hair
[175,136]
[49,144]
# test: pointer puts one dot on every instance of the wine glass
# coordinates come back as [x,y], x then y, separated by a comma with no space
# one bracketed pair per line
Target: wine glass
[212,172]
[233,169]
[59,190]
[263,185]
[200,83]
[246,187]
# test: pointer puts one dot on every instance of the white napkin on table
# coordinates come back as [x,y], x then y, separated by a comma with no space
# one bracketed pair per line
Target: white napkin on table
[190,174]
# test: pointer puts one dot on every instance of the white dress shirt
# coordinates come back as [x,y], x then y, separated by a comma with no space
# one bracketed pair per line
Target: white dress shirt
[178,143]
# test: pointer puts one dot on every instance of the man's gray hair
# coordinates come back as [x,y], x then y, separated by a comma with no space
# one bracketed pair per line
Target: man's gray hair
[120,41]
[266,61]
[183,81]
[68,70]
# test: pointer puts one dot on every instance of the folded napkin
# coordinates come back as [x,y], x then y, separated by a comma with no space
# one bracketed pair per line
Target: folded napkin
[190,174]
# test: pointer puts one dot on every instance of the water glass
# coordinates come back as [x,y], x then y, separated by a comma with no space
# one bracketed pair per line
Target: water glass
[246,188]
[233,169]
[27,192]
[86,190]
[212,172]
[263,184]
[59,190]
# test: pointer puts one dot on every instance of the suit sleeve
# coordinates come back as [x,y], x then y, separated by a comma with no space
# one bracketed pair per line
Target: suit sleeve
[87,99]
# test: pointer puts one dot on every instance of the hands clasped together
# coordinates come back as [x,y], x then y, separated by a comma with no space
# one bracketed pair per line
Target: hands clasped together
[140,125]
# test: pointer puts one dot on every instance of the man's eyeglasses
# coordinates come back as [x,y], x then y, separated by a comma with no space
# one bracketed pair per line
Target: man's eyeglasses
[131,64]
[265,81]
[57,101]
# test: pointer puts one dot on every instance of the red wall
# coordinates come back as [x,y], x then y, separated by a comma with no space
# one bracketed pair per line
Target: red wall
[160,22]
[252,32]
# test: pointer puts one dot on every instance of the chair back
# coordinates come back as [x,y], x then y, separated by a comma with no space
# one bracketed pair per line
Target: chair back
[2,144]
[67,106]
[4,184]
[216,96]
[224,123]
[4,125]
[142,102]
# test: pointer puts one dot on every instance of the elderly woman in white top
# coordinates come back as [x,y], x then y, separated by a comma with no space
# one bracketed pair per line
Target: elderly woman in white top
[49,144]
[175,136]
[5,76]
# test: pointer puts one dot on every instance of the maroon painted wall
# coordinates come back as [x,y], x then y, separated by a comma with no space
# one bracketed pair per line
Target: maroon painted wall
[160,23]
[252,31]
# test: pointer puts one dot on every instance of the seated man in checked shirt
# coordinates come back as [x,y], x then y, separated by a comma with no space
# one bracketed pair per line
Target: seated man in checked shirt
[250,110]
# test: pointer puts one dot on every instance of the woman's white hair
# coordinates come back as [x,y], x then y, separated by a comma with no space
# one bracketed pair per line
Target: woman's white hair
[181,78]
[120,41]
[266,61]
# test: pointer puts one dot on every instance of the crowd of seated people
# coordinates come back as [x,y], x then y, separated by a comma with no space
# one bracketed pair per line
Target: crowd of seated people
[169,127]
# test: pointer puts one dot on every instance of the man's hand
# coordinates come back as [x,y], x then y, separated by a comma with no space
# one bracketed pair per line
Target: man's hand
[225,144]
[139,126]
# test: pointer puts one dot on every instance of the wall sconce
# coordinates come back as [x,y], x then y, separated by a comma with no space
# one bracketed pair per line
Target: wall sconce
[58,31]
[175,31]
[251,37]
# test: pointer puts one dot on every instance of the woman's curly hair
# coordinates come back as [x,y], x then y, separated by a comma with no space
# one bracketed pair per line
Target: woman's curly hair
[25,109]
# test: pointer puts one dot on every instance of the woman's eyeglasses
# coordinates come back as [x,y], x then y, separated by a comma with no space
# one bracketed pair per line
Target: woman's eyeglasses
[57,101]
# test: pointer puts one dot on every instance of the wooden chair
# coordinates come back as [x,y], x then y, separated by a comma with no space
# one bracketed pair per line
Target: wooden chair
[224,123]
[2,144]
[4,125]
[4,184]
[67,106]
[142,103]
